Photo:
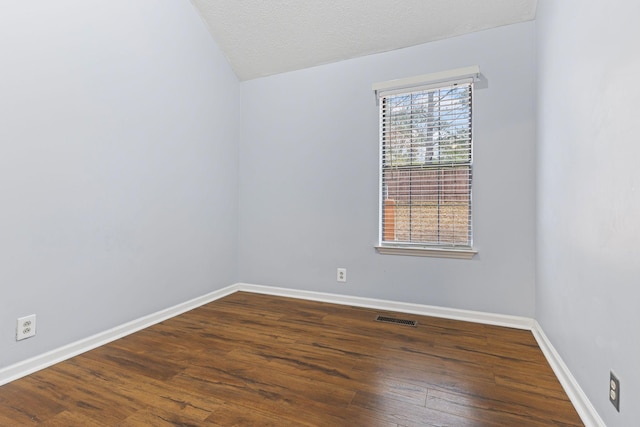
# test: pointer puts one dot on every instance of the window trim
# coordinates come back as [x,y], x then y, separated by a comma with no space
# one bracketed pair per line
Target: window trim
[422,82]
[426,251]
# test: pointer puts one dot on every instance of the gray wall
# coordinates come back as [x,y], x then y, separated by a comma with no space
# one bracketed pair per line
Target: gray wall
[587,297]
[118,159]
[309,185]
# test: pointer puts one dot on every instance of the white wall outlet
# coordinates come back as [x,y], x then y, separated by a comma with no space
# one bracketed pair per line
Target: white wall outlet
[342,274]
[614,391]
[26,327]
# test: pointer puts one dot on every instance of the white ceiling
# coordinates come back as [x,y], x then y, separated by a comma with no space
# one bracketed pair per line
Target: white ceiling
[264,37]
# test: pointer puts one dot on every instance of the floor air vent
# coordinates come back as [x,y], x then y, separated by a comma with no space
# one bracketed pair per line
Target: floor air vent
[396,321]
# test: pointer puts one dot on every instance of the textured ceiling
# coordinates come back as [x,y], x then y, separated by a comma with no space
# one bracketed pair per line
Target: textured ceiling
[264,37]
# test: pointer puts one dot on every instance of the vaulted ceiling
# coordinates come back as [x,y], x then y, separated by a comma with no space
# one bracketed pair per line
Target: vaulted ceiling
[264,37]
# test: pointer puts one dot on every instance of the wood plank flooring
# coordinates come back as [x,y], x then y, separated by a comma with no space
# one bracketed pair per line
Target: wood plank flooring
[258,360]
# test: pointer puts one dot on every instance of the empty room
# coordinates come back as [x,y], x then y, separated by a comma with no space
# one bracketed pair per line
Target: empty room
[319,213]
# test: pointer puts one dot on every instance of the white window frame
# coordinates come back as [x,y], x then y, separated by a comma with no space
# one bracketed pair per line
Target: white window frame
[423,82]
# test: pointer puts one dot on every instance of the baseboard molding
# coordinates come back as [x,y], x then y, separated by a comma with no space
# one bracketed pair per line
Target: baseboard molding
[579,399]
[34,364]
[419,309]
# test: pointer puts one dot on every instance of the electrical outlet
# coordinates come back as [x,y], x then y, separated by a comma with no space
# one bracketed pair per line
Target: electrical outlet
[614,391]
[26,327]
[342,274]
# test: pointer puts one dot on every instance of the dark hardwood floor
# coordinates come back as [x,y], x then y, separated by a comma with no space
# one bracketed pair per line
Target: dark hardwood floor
[257,360]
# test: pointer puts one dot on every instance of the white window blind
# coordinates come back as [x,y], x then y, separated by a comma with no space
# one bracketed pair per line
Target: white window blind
[426,165]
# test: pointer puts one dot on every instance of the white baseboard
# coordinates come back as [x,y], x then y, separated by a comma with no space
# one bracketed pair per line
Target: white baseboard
[403,307]
[585,409]
[580,401]
[29,366]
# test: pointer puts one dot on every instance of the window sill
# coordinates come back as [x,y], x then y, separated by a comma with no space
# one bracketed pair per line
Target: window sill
[428,252]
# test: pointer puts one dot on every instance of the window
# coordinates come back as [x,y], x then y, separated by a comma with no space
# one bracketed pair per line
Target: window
[426,168]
